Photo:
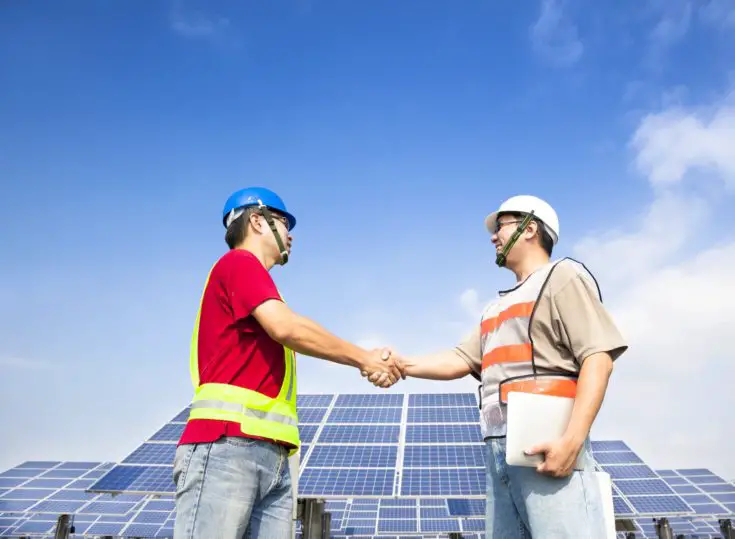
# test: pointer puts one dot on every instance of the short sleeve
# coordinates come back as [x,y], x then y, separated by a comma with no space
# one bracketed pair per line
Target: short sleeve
[247,284]
[470,349]
[584,324]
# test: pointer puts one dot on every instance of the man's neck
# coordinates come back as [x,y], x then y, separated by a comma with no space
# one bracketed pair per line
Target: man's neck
[528,265]
[258,253]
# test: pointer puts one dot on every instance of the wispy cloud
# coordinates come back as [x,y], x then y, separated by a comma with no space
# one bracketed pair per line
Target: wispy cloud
[674,18]
[554,35]
[195,24]
[719,13]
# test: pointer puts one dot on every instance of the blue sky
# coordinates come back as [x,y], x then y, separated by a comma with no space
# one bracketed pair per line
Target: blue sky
[391,129]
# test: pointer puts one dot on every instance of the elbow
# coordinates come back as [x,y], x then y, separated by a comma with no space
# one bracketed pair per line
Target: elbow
[282,330]
[283,334]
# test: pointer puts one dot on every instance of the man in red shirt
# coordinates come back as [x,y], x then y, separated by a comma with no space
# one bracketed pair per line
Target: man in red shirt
[231,467]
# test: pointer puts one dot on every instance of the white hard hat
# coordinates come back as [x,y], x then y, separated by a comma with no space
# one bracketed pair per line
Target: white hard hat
[525,204]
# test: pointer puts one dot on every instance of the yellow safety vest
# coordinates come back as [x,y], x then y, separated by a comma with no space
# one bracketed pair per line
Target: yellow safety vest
[258,415]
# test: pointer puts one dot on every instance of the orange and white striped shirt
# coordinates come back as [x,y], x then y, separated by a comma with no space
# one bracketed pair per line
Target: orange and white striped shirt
[546,325]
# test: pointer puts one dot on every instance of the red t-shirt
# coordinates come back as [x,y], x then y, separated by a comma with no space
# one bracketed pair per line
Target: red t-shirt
[233,346]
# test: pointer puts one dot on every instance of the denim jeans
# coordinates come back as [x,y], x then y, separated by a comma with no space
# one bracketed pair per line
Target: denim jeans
[524,504]
[234,488]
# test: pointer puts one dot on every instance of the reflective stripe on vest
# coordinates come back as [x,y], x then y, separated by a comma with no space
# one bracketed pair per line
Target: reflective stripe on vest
[507,352]
[257,414]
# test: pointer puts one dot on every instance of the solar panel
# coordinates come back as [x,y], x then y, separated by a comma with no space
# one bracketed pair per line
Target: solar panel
[442,415]
[443,482]
[136,479]
[353,456]
[35,510]
[360,434]
[638,490]
[317,401]
[704,491]
[442,399]
[370,399]
[149,468]
[365,415]
[436,456]
[346,482]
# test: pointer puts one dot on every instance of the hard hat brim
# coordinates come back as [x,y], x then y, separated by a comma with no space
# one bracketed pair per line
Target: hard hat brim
[491,221]
[289,217]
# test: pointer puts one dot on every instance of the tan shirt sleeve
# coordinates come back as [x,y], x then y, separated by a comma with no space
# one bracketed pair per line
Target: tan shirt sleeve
[585,327]
[470,349]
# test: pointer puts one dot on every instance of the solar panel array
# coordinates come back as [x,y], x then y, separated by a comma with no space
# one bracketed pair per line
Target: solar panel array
[396,445]
[389,464]
[34,494]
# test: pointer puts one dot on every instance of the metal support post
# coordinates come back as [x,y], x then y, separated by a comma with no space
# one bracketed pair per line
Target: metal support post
[663,529]
[293,466]
[313,519]
[326,524]
[726,528]
[63,527]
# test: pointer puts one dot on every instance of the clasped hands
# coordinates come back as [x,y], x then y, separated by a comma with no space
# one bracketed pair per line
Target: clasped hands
[383,368]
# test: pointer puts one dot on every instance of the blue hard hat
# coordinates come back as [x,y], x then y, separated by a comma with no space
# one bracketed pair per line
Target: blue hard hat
[252,196]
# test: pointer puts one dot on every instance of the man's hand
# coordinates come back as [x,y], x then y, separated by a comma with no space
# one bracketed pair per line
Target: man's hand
[560,456]
[383,368]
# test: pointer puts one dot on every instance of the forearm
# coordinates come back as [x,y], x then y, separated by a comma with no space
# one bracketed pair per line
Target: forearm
[309,338]
[446,365]
[591,388]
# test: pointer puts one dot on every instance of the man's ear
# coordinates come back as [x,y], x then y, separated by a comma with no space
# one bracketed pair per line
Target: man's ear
[257,221]
[531,230]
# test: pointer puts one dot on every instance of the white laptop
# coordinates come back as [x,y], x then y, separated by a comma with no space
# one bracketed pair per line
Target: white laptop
[533,419]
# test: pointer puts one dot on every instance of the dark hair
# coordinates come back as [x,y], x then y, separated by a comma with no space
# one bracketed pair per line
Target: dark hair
[547,243]
[238,229]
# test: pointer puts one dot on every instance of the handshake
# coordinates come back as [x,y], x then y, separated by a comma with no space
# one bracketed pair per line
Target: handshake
[383,368]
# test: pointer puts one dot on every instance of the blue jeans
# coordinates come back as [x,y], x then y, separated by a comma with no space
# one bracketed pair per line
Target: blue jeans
[524,504]
[234,488]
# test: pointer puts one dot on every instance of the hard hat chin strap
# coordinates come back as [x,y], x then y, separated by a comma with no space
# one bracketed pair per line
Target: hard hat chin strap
[271,223]
[502,256]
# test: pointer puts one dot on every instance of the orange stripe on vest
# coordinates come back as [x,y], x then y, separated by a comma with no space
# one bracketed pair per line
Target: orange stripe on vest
[553,386]
[517,310]
[512,353]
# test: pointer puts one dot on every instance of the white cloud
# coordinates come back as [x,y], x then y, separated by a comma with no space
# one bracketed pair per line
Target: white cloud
[554,36]
[671,394]
[676,141]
